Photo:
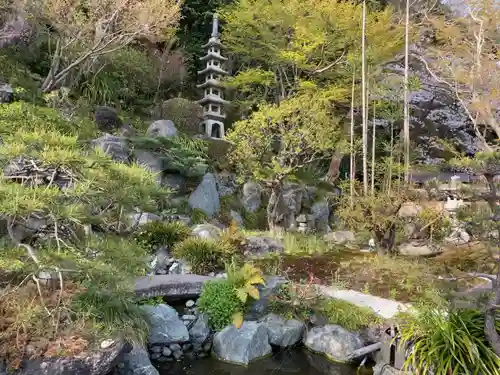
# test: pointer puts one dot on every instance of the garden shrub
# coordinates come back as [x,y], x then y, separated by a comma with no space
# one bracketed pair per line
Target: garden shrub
[69,186]
[448,342]
[157,233]
[204,255]
[185,114]
[220,302]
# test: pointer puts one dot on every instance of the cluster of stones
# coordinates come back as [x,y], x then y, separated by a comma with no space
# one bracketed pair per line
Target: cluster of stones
[199,344]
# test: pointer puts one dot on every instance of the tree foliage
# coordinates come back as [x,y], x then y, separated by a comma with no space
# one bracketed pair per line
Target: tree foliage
[84,31]
[305,41]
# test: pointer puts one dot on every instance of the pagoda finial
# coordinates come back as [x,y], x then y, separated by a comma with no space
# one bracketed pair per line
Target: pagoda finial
[215,26]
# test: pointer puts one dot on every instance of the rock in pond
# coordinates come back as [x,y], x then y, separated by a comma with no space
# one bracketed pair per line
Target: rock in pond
[200,331]
[136,362]
[99,362]
[166,327]
[242,345]
[333,341]
[282,332]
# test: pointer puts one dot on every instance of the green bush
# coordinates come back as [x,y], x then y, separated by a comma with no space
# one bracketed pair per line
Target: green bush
[127,78]
[157,233]
[451,342]
[112,312]
[185,114]
[204,255]
[220,302]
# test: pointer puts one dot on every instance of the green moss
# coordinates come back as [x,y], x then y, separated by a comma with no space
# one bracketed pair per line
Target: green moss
[255,220]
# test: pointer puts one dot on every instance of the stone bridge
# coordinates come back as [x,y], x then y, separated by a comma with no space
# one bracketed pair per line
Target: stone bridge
[172,286]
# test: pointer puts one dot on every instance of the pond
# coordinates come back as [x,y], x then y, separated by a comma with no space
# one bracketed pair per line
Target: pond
[288,362]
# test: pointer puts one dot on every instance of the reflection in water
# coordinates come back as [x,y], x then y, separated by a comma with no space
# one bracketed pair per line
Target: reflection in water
[289,362]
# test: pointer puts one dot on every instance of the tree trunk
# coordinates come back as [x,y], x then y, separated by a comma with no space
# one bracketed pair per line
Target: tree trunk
[363,98]
[406,122]
[352,165]
[374,138]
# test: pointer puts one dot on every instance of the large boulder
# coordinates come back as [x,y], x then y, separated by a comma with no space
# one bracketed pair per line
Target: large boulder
[340,237]
[162,128]
[419,248]
[113,146]
[320,210]
[409,209]
[151,163]
[333,341]
[207,231]
[165,325]
[283,332]
[242,345]
[136,362]
[252,196]
[107,119]
[206,196]
[262,245]
[98,362]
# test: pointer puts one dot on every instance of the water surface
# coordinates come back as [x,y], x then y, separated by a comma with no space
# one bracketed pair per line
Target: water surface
[289,362]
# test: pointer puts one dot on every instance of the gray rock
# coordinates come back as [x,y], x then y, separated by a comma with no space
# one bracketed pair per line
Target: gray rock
[409,209]
[206,197]
[283,332]
[385,369]
[258,308]
[252,196]
[6,93]
[175,347]
[156,349]
[186,347]
[321,212]
[161,260]
[236,217]
[150,162]
[166,327]
[141,218]
[190,304]
[333,341]
[262,245]
[100,362]
[458,237]
[166,352]
[107,119]
[244,345]
[200,331]
[226,184]
[113,146]
[162,128]
[419,248]
[177,354]
[207,231]
[340,237]
[155,356]
[137,362]
[15,29]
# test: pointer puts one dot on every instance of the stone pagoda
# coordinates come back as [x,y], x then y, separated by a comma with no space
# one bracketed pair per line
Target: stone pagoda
[213,101]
